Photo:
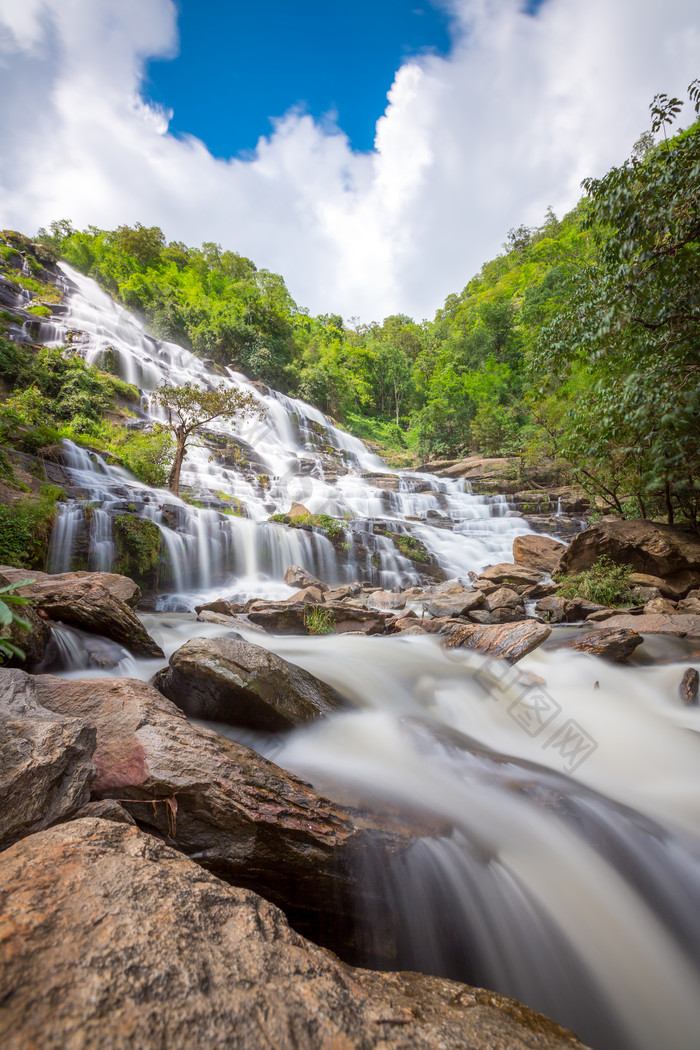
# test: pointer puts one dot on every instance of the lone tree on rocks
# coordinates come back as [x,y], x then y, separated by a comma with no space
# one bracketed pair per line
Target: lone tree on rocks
[189,408]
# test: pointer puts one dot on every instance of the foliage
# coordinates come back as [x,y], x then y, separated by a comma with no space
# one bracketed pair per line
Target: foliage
[189,408]
[411,548]
[605,583]
[318,620]
[9,618]
[25,527]
[623,354]
[333,529]
[138,543]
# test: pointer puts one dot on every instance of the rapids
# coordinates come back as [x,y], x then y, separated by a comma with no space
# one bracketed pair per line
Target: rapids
[571,876]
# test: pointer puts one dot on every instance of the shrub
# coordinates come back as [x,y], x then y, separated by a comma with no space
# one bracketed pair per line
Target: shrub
[25,528]
[138,543]
[605,583]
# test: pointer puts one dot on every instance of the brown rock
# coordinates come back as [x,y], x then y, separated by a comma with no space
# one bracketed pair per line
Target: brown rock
[567,610]
[386,600]
[112,940]
[514,576]
[688,689]
[236,682]
[657,624]
[690,604]
[308,596]
[211,797]
[290,618]
[660,605]
[34,640]
[99,602]
[537,552]
[295,576]
[455,600]
[298,511]
[659,550]
[504,641]
[610,643]
[45,760]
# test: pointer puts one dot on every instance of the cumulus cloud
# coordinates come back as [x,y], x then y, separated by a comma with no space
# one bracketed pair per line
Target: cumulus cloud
[469,145]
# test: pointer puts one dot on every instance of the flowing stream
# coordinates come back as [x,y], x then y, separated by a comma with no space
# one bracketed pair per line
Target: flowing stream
[570,877]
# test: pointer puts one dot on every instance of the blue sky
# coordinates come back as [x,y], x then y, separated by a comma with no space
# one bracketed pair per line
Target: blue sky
[239,65]
[458,124]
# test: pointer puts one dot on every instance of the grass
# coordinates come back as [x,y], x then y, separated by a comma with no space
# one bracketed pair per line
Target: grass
[318,620]
[605,583]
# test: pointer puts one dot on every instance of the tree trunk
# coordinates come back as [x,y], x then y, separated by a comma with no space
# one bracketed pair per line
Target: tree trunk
[174,478]
[669,503]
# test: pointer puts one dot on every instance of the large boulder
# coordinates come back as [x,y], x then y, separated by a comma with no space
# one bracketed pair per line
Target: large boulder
[95,601]
[453,599]
[211,797]
[610,643]
[658,550]
[517,577]
[234,681]
[295,576]
[112,940]
[293,617]
[537,552]
[508,641]
[45,760]
[655,623]
[34,640]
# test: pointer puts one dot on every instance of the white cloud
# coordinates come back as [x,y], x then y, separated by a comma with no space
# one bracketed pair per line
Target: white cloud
[469,145]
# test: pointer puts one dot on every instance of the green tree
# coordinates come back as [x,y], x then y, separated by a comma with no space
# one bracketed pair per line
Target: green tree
[631,332]
[189,408]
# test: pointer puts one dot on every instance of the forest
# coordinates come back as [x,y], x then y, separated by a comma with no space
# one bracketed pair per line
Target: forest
[578,343]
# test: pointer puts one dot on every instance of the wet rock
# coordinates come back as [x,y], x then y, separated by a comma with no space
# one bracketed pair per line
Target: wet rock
[517,577]
[47,584]
[236,682]
[455,600]
[308,596]
[35,640]
[112,939]
[386,600]
[45,760]
[660,605]
[688,689]
[556,609]
[537,552]
[509,641]
[295,576]
[98,602]
[234,621]
[690,604]
[220,605]
[214,799]
[659,550]
[291,618]
[348,590]
[506,599]
[610,643]
[681,625]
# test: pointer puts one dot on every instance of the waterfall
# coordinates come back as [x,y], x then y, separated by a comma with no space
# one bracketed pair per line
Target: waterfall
[296,454]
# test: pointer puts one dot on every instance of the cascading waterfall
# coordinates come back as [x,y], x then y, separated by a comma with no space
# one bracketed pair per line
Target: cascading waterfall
[299,456]
[570,877]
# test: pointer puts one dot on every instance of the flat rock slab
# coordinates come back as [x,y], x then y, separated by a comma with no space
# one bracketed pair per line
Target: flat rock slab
[508,641]
[682,625]
[99,602]
[236,682]
[610,643]
[113,941]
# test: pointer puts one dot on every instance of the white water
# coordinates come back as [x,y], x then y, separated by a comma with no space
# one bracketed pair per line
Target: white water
[571,878]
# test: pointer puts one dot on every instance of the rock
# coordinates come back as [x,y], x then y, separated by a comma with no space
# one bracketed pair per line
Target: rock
[688,689]
[537,552]
[105,809]
[295,576]
[455,600]
[506,598]
[386,600]
[308,596]
[120,587]
[233,621]
[514,576]
[45,760]
[568,610]
[610,643]
[659,550]
[297,512]
[660,605]
[657,624]
[290,618]
[35,641]
[348,590]
[238,683]
[214,799]
[690,604]
[220,605]
[99,602]
[504,641]
[113,940]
